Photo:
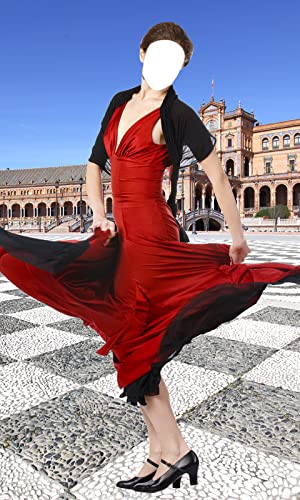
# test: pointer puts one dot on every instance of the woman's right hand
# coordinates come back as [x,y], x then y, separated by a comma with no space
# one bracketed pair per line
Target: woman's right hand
[238,251]
[104,224]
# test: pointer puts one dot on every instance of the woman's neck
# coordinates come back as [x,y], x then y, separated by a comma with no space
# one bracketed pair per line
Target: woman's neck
[147,93]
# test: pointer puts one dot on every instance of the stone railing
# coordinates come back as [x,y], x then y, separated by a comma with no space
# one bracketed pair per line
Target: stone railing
[261,224]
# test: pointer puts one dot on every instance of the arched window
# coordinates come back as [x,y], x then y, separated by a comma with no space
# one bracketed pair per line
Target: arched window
[275,142]
[286,141]
[265,143]
[297,139]
[212,125]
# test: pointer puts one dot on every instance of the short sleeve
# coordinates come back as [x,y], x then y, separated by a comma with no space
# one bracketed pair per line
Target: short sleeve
[98,153]
[196,136]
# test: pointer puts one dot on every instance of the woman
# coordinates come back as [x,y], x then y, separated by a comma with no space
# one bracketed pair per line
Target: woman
[143,289]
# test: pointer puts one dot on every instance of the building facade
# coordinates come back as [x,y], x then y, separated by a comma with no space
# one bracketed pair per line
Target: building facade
[262,158]
[42,194]
[261,162]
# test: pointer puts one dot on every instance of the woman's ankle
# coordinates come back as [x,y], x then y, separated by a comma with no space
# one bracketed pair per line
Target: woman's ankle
[175,451]
[154,455]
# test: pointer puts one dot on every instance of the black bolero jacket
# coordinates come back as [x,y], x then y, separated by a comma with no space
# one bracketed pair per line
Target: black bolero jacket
[187,139]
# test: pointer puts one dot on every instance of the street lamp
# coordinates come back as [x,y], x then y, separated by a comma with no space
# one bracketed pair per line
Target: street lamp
[56,205]
[194,167]
[62,201]
[3,209]
[103,189]
[80,205]
[207,220]
[182,198]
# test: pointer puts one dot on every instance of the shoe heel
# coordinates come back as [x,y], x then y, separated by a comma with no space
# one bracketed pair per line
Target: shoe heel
[176,483]
[193,473]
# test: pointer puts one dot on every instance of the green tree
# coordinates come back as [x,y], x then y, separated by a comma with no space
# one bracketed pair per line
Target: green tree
[281,211]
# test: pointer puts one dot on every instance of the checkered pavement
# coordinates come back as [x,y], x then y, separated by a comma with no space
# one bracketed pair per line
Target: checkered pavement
[65,433]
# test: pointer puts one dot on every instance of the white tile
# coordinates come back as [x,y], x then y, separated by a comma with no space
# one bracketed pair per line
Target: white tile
[283,286]
[7,286]
[257,332]
[284,292]
[18,480]
[41,315]
[280,302]
[285,297]
[33,341]
[227,471]
[6,296]
[23,385]
[188,385]
[282,369]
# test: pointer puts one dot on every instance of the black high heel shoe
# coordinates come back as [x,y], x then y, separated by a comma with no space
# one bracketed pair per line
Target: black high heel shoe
[189,464]
[130,483]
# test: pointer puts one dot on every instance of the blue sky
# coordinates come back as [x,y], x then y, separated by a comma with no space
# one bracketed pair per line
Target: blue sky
[62,60]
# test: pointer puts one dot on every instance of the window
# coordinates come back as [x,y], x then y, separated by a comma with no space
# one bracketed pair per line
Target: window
[265,144]
[275,142]
[268,164]
[268,167]
[229,145]
[286,141]
[297,139]
[292,164]
[212,125]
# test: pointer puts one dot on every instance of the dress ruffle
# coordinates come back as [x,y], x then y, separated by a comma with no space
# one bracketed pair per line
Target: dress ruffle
[205,312]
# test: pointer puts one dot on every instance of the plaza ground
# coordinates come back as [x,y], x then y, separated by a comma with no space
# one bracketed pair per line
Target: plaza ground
[66,434]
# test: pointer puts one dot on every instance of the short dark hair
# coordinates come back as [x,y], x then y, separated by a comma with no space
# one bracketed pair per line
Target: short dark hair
[169,31]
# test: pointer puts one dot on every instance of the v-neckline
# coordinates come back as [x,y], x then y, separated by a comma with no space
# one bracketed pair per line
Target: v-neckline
[128,130]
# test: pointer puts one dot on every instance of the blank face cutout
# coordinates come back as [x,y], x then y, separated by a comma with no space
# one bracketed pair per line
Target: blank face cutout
[162,63]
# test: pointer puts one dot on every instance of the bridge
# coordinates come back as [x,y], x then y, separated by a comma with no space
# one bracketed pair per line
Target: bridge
[205,219]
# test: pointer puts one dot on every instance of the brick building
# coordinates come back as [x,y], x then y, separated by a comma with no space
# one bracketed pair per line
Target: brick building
[260,161]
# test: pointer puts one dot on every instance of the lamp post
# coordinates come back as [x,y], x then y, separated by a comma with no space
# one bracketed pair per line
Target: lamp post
[56,205]
[80,205]
[62,200]
[194,167]
[207,220]
[3,223]
[103,189]
[182,198]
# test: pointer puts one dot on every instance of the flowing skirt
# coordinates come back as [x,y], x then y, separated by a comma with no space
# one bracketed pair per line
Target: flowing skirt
[146,300]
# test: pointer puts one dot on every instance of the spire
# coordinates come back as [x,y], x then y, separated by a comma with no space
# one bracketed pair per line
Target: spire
[212,89]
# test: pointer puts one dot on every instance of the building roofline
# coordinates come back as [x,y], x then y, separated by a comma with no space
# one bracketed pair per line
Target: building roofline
[273,125]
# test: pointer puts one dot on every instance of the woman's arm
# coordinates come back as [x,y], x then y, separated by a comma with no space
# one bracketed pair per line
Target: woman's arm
[94,192]
[94,189]
[213,168]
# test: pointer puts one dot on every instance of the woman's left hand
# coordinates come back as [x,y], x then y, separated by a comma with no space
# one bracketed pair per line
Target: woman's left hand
[238,251]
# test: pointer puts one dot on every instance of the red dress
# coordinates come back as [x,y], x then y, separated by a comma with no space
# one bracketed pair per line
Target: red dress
[147,294]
